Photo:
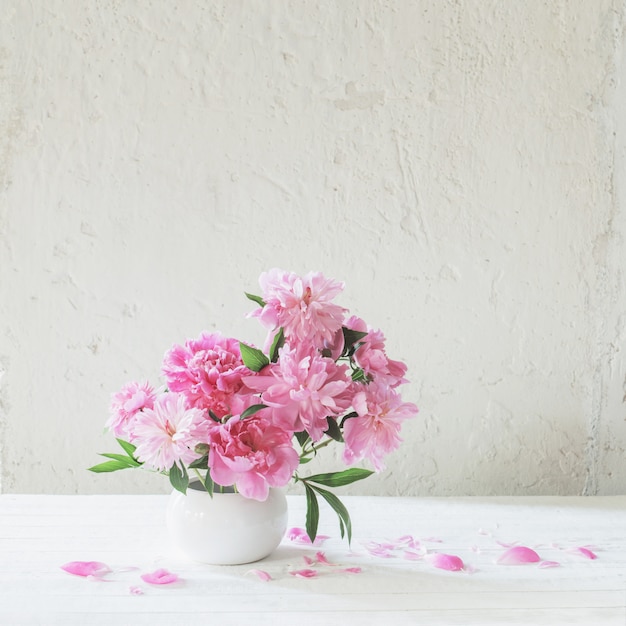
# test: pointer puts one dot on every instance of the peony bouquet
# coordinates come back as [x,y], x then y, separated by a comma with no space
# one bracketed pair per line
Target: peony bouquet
[234,415]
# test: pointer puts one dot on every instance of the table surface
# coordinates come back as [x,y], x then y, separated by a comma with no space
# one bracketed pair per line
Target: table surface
[39,533]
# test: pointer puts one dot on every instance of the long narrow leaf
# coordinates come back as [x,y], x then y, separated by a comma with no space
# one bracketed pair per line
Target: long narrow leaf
[277,344]
[109,466]
[340,509]
[312,513]
[129,448]
[251,410]
[209,485]
[254,298]
[128,461]
[339,479]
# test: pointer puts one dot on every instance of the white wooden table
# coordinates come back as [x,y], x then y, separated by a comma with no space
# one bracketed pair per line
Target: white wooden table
[39,533]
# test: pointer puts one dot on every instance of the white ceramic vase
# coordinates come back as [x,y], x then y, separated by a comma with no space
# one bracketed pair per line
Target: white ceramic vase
[226,529]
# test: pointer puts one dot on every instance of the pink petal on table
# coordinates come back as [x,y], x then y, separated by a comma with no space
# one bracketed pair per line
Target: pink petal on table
[376,549]
[86,568]
[445,561]
[320,557]
[135,591]
[304,573]
[159,577]
[518,555]
[262,574]
[351,570]
[586,552]
[412,556]
[547,564]
[298,535]
[406,539]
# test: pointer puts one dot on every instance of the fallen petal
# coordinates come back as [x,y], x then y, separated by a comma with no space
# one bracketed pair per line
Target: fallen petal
[298,535]
[304,573]
[412,556]
[159,577]
[586,552]
[445,561]
[262,574]
[351,570]
[547,564]
[518,555]
[380,552]
[86,568]
[320,557]
[135,591]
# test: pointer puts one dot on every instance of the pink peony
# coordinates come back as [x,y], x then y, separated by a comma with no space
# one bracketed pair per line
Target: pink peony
[302,391]
[252,454]
[376,431]
[126,404]
[207,371]
[372,358]
[167,433]
[301,306]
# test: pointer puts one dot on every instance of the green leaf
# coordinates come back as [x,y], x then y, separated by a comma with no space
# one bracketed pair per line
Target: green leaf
[254,298]
[129,448]
[277,344]
[201,463]
[350,338]
[340,509]
[109,466]
[179,478]
[253,358]
[251,410]
[312,513]
[359,376]
[333,430]
[302,437]
[127,461]
[348,416]
[209,485]
[339,479]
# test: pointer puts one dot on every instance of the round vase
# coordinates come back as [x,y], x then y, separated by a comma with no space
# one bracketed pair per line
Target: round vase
[226,529]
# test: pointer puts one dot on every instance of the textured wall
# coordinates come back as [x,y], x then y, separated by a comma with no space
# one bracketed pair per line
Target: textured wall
[460,164]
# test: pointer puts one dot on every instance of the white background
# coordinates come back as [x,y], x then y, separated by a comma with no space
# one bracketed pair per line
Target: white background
[460,165]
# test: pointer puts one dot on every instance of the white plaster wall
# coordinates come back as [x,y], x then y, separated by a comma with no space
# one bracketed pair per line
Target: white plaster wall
[460,164]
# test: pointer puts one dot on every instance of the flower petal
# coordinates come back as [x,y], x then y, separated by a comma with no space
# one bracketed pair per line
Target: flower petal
[86,568]
[586,552]
[547,564]
[159,577]
[135,590]
[304,573]
[412,556]
[298,535]
[262,574]
[448,562]
[351,570]
[518,555]
[320,557]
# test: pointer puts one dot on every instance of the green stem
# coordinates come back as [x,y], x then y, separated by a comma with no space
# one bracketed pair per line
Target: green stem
[199,475]
[314,448]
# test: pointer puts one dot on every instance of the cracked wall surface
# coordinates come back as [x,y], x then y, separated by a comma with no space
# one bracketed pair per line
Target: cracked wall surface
[460,165]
